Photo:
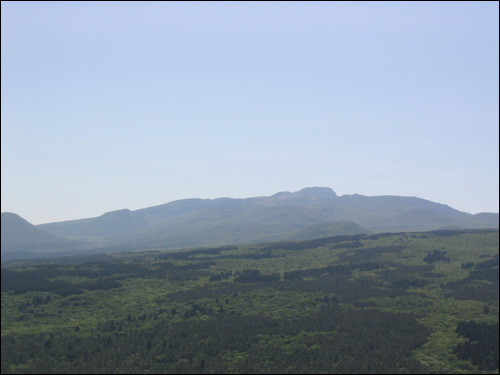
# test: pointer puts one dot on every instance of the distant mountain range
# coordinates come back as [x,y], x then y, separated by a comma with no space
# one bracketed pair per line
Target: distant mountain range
[21,239]
[309,213]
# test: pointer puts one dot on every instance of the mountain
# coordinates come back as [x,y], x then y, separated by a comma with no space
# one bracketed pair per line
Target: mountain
[342,228]
[22,239]
[313,211]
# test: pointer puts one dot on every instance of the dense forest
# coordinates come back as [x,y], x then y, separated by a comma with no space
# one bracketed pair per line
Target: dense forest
[381,303]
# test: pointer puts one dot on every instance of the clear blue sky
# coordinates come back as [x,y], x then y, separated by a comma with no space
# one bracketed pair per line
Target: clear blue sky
[110,105]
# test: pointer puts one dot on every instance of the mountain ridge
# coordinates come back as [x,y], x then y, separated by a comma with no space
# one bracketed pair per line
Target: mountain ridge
[211,222]
[318,205]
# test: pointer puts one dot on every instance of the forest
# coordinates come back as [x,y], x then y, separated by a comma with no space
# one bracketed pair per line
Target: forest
[424,302]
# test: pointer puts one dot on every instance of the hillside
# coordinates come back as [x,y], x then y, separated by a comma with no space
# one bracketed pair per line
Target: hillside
[308,213]
[341,228]
[21,238]
[211,222]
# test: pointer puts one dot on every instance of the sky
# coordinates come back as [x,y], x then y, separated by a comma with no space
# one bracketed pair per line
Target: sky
[112,105]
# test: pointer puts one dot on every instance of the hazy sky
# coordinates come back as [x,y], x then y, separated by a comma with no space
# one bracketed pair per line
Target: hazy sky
[110,105]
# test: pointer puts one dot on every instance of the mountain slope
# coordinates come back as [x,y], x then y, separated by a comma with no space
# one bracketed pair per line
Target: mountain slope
[341,228]
[20,238]
[209,222]
[230,225]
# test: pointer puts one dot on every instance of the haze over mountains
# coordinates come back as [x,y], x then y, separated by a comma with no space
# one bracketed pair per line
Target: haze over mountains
[21,239]
[309,213]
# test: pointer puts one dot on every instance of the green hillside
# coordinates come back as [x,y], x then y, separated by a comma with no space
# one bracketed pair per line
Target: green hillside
[216,222]
[422,302]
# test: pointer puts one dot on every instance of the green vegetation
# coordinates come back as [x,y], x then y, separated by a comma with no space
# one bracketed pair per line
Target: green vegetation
[367,303]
